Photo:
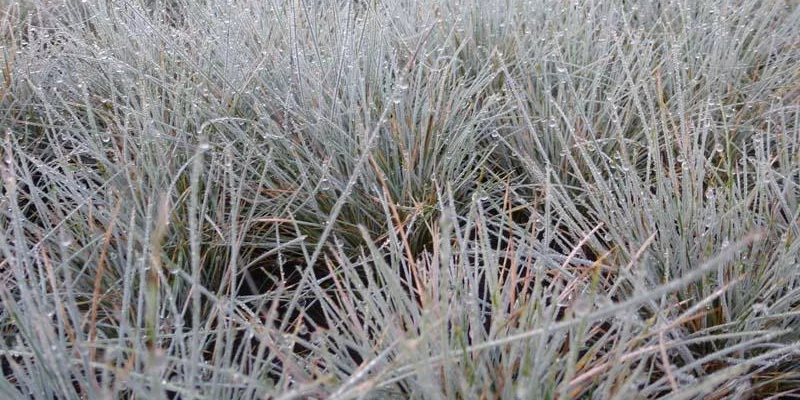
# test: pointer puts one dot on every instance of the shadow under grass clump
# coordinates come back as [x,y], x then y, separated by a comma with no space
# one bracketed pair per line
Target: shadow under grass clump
[279,290]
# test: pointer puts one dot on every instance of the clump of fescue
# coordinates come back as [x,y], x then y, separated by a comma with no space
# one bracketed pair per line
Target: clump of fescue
[455,199]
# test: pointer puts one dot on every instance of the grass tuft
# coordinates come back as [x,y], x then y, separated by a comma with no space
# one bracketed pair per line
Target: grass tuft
[367,199]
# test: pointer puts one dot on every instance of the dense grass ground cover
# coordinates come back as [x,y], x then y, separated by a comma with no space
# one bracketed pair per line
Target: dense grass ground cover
[421,199]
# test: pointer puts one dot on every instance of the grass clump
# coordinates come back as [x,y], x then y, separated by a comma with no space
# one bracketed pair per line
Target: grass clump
[455,199]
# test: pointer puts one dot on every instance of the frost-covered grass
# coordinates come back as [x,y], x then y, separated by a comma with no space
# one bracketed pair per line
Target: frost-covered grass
[399,199]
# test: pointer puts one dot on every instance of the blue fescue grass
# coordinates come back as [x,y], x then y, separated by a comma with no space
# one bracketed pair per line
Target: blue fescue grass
[367,199]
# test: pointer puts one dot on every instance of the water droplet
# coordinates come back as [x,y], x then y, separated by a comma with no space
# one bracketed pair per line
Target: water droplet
[686,378]
[397,98]
[760,308]
[582,307]
[228,157]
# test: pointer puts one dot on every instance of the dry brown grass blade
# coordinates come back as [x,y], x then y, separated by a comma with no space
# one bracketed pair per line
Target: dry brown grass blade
[400,226]
[98,278]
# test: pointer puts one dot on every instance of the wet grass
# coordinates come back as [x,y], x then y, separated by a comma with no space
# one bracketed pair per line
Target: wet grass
[367,199]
